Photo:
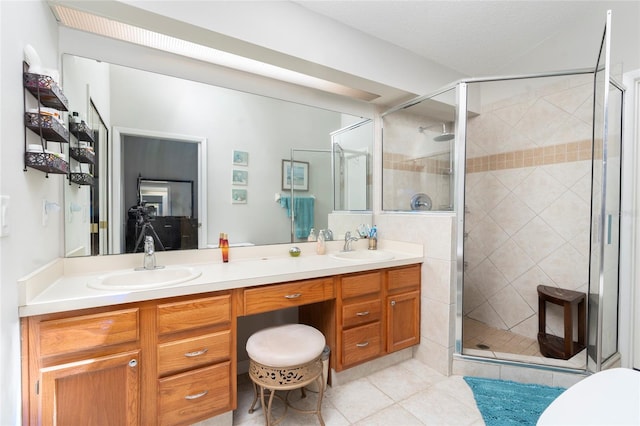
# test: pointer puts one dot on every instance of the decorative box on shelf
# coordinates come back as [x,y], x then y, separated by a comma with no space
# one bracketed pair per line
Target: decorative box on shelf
[82,155]
[51,128]
[46,90]
[81,131]
[81,178]
[46,162]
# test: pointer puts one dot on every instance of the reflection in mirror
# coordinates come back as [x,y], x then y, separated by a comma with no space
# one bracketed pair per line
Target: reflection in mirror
[352,167]
[239,195]
[167,197]
[418,145]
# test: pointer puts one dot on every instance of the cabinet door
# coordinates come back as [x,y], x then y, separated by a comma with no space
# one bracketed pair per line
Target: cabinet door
[97,391]
[403,321]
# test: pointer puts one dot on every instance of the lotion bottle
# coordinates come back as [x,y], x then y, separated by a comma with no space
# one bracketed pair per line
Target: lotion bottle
[320,245]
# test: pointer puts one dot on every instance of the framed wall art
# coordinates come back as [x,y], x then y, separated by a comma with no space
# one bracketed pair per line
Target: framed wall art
[299,173]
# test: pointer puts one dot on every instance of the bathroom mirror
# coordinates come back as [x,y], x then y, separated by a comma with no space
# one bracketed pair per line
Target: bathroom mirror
[240,141]
[418,152]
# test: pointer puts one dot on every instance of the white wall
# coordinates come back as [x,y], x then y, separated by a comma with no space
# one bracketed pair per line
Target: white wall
[30,245]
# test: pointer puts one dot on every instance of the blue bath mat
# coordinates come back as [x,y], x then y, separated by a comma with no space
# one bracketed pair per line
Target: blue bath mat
[504,403]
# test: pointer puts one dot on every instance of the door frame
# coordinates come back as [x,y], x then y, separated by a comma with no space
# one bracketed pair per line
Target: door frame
[116,212]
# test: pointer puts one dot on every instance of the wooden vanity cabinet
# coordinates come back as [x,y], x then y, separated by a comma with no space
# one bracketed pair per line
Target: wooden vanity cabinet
[195,372]
[403,307]
[165,362]
[84,367]
[377,313]
[360,331]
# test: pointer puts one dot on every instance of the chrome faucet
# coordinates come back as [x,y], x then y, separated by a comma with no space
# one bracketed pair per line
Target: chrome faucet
[348,239]
[149,253]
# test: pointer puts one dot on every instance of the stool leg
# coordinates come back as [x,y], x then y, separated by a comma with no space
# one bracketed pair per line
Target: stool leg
[542,315]
[255,398]
[268,412]
[320,395]
[568,330]
[582,323]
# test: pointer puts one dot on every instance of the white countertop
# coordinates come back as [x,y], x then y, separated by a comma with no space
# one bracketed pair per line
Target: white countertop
[62,284]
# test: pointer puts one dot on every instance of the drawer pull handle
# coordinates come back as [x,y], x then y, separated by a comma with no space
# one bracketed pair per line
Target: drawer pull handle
[293,296]
[362,314]
[196,353]
[197,395]
[362,345]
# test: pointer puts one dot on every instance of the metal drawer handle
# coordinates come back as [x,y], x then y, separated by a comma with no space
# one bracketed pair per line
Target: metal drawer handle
[362,314]
[293,296]
[196,353]
[197,395]
[393,303]
[362,345]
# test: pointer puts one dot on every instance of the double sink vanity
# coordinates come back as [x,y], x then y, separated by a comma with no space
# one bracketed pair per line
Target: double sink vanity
[161,349]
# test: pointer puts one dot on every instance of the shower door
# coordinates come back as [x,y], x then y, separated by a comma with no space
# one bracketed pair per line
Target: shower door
[605,212]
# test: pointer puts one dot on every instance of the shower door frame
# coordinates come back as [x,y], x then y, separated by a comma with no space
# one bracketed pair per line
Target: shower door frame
[460,178]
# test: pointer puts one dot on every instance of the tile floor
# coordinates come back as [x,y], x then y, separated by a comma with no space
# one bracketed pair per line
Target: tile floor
[478,335]
[409,393]
[489,342]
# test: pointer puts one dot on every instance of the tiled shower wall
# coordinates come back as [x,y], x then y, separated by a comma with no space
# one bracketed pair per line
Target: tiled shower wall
[527,202]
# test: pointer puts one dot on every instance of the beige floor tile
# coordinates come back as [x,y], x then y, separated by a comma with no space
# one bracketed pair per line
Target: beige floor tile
[393,415]
[358,399]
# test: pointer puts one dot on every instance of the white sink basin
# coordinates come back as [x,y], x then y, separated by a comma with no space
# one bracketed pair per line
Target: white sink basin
[363,255]
[135,279]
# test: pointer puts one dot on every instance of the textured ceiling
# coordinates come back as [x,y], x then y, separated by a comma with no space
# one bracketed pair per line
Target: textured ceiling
[472,37]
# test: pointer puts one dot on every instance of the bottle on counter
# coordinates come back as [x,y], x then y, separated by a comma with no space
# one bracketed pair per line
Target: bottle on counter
[320,245]
[312,235]
[224,247]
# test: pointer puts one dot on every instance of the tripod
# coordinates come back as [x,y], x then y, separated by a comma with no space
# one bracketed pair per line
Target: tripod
[147,227]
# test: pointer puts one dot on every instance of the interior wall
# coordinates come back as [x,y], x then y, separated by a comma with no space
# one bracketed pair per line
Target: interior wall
[30,244]
[527,202]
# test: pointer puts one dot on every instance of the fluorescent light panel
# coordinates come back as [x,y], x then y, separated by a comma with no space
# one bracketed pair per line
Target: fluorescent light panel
[88,22]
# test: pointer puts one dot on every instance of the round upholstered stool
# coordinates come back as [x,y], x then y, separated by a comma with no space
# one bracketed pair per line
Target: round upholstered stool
[284,358]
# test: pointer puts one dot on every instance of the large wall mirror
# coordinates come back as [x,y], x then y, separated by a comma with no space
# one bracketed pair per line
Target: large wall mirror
[229,144]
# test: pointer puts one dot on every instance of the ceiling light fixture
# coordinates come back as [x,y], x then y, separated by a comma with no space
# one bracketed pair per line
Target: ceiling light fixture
[91,23]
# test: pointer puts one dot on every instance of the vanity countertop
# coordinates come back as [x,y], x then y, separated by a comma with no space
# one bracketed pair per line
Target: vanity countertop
[62,284]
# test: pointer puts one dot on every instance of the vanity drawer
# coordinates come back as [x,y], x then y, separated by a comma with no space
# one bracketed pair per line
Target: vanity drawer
[278,296]
[361,284]
[361,343]
[193,313]
[185,354]
[192,396]
[403,279]
[361,313]
[74,334]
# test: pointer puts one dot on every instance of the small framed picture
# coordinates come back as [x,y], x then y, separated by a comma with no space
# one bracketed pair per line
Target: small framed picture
[240,177]
[299,173]
[239,196]
[240,158]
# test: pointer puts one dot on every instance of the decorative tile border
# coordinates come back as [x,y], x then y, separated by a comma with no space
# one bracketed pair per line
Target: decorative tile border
[562,153]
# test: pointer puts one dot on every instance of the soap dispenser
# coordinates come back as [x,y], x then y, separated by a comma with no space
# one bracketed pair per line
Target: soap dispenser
[320,245]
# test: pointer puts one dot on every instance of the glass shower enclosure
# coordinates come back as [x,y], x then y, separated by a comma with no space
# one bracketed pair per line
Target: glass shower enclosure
[533,174]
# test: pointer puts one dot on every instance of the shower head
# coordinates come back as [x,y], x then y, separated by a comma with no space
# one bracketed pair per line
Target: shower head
[445,136]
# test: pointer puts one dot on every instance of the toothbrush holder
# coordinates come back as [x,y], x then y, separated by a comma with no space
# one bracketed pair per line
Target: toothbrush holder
[373,244]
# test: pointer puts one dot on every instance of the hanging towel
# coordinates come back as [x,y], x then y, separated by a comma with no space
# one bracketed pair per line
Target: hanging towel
[303,211]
